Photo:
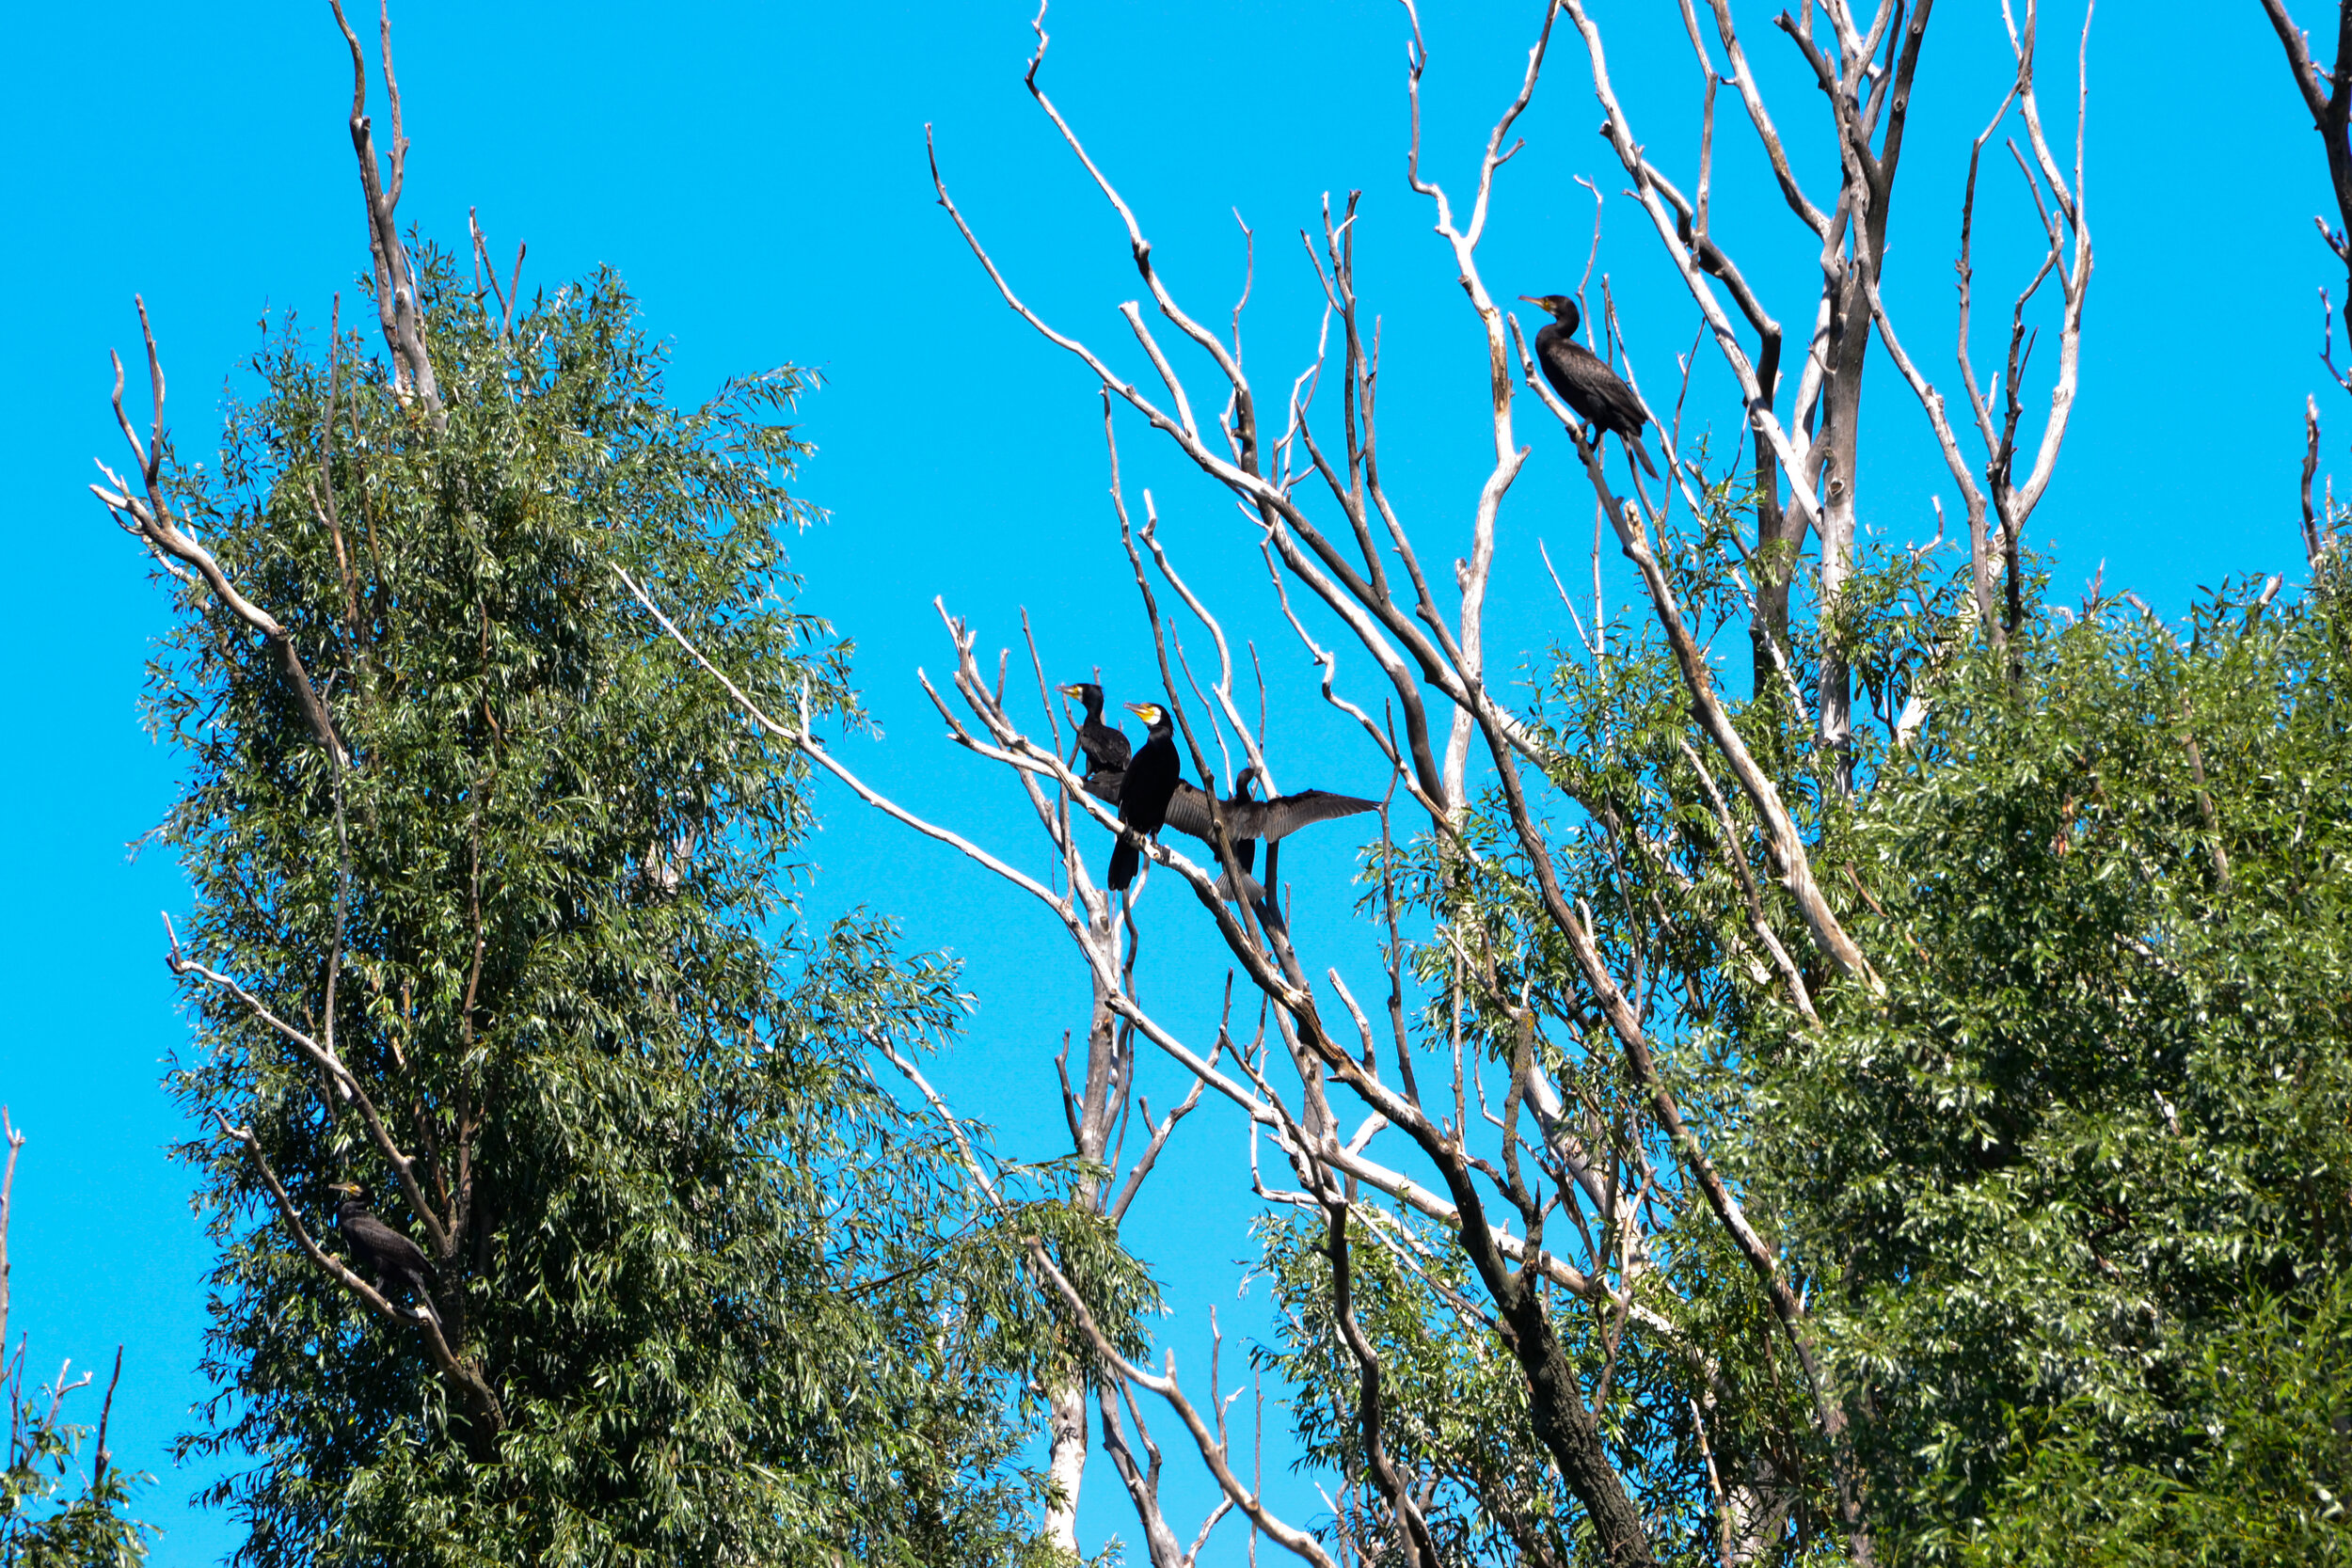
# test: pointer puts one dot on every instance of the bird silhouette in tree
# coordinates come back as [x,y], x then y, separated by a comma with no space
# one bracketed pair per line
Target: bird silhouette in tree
[1584,379]
[1152,777]
[392,1258]
[1104,747]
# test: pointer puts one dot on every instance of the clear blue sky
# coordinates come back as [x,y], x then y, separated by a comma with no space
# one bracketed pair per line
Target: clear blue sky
[756,173]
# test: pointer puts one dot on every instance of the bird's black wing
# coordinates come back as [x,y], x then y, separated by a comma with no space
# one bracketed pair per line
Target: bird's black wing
[1587,382]
[1104,784]
[1188,813]
[1104,746]
[1287,813]
[1621,412]
[388,1251]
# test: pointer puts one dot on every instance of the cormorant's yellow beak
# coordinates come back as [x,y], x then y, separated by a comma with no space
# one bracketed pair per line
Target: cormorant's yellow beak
[1073,689]
[1148,712]
[350,1187]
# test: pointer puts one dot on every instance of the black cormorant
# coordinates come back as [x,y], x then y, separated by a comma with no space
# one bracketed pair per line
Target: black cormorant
[1105,748]
[392,1256]
[1152,777]
[1248,820]
[1584,379]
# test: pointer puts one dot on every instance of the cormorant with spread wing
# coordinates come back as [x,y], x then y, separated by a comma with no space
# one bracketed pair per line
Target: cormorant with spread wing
[1248,819]
[1584,379]
[392,1256]
[1152,774]
[1105,748]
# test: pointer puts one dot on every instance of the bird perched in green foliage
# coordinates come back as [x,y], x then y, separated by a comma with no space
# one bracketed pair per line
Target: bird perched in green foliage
[392,1258]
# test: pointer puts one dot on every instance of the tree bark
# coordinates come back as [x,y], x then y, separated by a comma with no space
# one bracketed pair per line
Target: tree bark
[1568,1430]
[1065,1465]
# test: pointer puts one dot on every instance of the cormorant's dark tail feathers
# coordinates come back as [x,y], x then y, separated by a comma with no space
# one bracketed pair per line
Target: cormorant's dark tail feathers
[1124,862]
[1248,886]
[1634,445]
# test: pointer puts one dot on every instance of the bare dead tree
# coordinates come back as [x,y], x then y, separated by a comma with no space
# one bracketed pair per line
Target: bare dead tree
[1556,1204]
[2324,94]
[1308,1131]
[1866,72]
[2059,203]
[8,1205]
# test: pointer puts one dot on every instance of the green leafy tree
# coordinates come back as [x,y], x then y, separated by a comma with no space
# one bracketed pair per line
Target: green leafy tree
[2070,1198]
[1704,1412]
[55,1512]
[561,1216]
[493,918]
[2077,1192]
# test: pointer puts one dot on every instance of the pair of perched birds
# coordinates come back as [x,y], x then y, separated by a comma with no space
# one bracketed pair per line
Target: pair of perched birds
[1147,786]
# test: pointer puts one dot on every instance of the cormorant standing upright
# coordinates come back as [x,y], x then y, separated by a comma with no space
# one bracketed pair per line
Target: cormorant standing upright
[392,1256]
[1105,748]
[1152,774]
[1584,379]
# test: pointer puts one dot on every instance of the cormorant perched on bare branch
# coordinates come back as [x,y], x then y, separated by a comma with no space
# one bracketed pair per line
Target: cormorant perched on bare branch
[1584,379]
[1248,819]
[1105,748]
[392,1258]
[1152,774]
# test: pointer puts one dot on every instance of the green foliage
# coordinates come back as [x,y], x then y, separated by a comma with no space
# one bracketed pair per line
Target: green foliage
[732,1303]
[2068,1199]
[2266,1483]
[55,1513]
[1456,1406]
[2091,1156]
[1700,1372]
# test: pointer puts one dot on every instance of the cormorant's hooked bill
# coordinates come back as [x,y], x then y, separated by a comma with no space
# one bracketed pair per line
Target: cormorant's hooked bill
[1584,379]
[392,1258]
[1151,776]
